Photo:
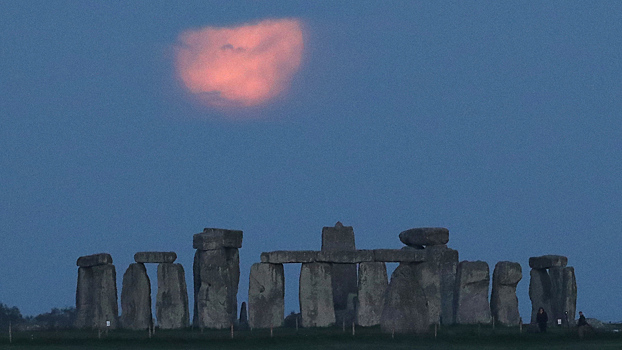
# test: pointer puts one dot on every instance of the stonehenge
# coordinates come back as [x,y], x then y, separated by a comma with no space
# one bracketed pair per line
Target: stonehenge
[96,292]
[171,299]
[338,285]
[266,296]
[503,300]
[372,285]
[553,286]
[216,276]
[471,304]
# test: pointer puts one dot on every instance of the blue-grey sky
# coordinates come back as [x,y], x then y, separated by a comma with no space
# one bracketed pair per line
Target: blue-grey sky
[498,120]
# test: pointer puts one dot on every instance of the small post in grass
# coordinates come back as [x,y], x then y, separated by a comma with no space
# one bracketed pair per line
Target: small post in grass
[343,325]
[232,331]
[353,329]
[435,330]
[10,333]
[296,323]
[520,325]
[271,332]
[393,333]
[493,323]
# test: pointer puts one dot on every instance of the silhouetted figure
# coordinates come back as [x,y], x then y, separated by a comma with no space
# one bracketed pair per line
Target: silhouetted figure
[583,326]
[542,318]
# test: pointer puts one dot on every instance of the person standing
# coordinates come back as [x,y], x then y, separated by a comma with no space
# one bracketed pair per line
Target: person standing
[542,318]
[582,324]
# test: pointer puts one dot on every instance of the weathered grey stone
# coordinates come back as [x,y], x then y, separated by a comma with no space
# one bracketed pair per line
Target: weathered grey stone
[471,293]
[547,261]
[216,238]
[563,294]
[316,295]
[217,273]
[570,292]
[340,241]
[266,295]
[399,255]
[503,300]
[448,268]
[429,276]
[540,293]
[94,260]
[172,298]
[345,257]
[96,297]
[425,236]
[155,257]
[372,286]
[136,298]
[338,237]
[286,256]
[405,308]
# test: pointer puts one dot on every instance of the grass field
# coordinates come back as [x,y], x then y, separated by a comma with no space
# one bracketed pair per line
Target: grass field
[462,337]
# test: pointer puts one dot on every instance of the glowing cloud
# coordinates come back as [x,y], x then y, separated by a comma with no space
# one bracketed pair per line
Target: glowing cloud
[240,67]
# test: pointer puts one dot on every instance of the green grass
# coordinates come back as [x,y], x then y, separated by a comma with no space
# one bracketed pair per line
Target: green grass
[457,337]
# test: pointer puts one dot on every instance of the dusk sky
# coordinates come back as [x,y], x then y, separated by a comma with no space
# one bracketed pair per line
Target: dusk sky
[501,121]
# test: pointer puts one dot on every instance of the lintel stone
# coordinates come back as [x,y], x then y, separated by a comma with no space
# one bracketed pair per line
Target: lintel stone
[155,257]
[344,256]
[94,260]
[216,238]
[547,261]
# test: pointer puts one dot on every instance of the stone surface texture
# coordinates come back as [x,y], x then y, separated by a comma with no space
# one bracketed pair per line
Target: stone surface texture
[424,236]
[540,293]
[547,261]
[316,295]
[503,300]
[216,278]
[96,297]
[405,309]
[563,294]
[448,267]
[172,298]
[471,293]
[344,280]
[216,238]
[94,260]
[155,257]
[136,298]
[372,286]
[266,295]
[343,257]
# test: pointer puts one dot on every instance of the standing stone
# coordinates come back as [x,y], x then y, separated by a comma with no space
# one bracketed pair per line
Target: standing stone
[172,298]
[316,295]
[96,297]
[471,293]
[266,295]
[449,266]
[563,294]
[425,236]
[570,293]
[405,308]
[372,287]
[428,275]
[540,293]
[217,274]
[503,300]
[344,279]
[556,275]
[136,298]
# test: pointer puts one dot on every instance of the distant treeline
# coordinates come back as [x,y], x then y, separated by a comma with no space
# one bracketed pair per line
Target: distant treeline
[55,319]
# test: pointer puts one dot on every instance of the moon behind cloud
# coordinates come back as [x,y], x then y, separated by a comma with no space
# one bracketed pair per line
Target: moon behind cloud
[245,66]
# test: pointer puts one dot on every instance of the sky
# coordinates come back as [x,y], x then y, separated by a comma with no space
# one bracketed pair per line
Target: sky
[501,121]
